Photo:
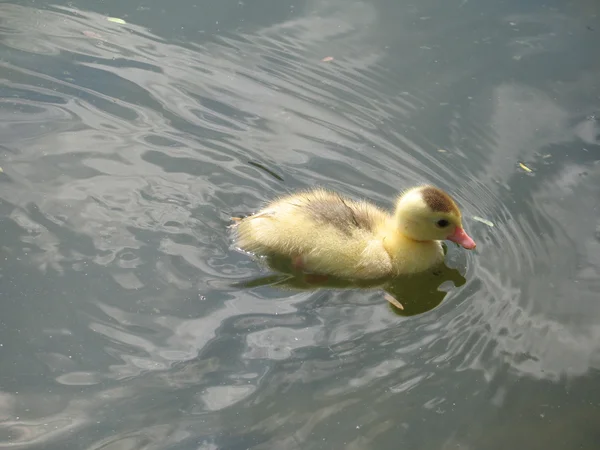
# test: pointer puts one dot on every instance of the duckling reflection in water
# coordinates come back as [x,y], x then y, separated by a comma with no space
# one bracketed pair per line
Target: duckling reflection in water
[325,235]
[407,295]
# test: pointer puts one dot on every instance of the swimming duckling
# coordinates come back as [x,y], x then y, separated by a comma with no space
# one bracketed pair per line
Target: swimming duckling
[328,234]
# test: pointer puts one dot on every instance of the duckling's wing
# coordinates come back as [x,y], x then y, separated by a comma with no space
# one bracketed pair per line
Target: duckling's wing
[343,214]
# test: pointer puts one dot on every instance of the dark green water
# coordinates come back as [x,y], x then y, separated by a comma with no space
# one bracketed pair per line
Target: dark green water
[127,147]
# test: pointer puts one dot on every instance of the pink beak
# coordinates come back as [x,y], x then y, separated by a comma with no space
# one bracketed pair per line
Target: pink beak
[461,238]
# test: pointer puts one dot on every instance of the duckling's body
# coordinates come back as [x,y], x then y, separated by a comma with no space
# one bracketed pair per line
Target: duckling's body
[325,233]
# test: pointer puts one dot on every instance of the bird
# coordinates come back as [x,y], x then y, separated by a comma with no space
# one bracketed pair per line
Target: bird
[325,233]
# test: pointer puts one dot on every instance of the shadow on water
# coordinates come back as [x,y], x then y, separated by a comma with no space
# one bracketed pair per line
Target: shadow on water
[417,293]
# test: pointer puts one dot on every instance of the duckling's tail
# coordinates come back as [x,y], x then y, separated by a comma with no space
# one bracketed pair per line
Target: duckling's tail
[236,221]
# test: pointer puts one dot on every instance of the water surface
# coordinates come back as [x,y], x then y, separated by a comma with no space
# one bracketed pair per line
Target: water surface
[126,148]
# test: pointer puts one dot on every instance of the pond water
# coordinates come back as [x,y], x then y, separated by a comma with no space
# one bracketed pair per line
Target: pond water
[127,146]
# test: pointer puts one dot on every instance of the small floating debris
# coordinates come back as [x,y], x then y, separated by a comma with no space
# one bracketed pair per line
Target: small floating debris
[525,168]
[91,34]
[441,150]
[269,171]
[393,301]
[327,59]
[1,170]
[482,220]
[116,20]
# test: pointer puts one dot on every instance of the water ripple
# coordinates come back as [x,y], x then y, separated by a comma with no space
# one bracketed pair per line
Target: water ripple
[125,155]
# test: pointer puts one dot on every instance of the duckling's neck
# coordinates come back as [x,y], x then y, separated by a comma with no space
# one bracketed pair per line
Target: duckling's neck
[396,242]
[394,238]
[392,232]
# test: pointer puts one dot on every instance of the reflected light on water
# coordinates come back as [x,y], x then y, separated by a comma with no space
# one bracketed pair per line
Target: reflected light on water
[132,323]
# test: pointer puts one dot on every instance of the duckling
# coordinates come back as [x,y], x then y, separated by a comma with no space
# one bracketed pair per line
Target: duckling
[325,233]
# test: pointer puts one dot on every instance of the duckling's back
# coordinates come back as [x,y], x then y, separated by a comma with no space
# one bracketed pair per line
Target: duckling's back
[333,235]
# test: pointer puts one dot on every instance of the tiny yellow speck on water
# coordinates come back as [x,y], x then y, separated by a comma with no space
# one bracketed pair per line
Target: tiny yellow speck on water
[441,150]
[116,20]
[482,220]
[524,167]
[1,170]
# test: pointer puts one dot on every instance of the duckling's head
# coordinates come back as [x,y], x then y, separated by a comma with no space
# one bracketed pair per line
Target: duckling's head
[426,213]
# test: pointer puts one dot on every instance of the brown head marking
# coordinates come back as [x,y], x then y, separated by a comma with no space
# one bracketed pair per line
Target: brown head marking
[438,200]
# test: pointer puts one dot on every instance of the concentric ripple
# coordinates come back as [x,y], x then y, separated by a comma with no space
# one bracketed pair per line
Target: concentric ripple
[125,151]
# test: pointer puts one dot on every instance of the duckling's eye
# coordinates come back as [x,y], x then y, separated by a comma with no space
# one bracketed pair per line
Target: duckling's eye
[442,223]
